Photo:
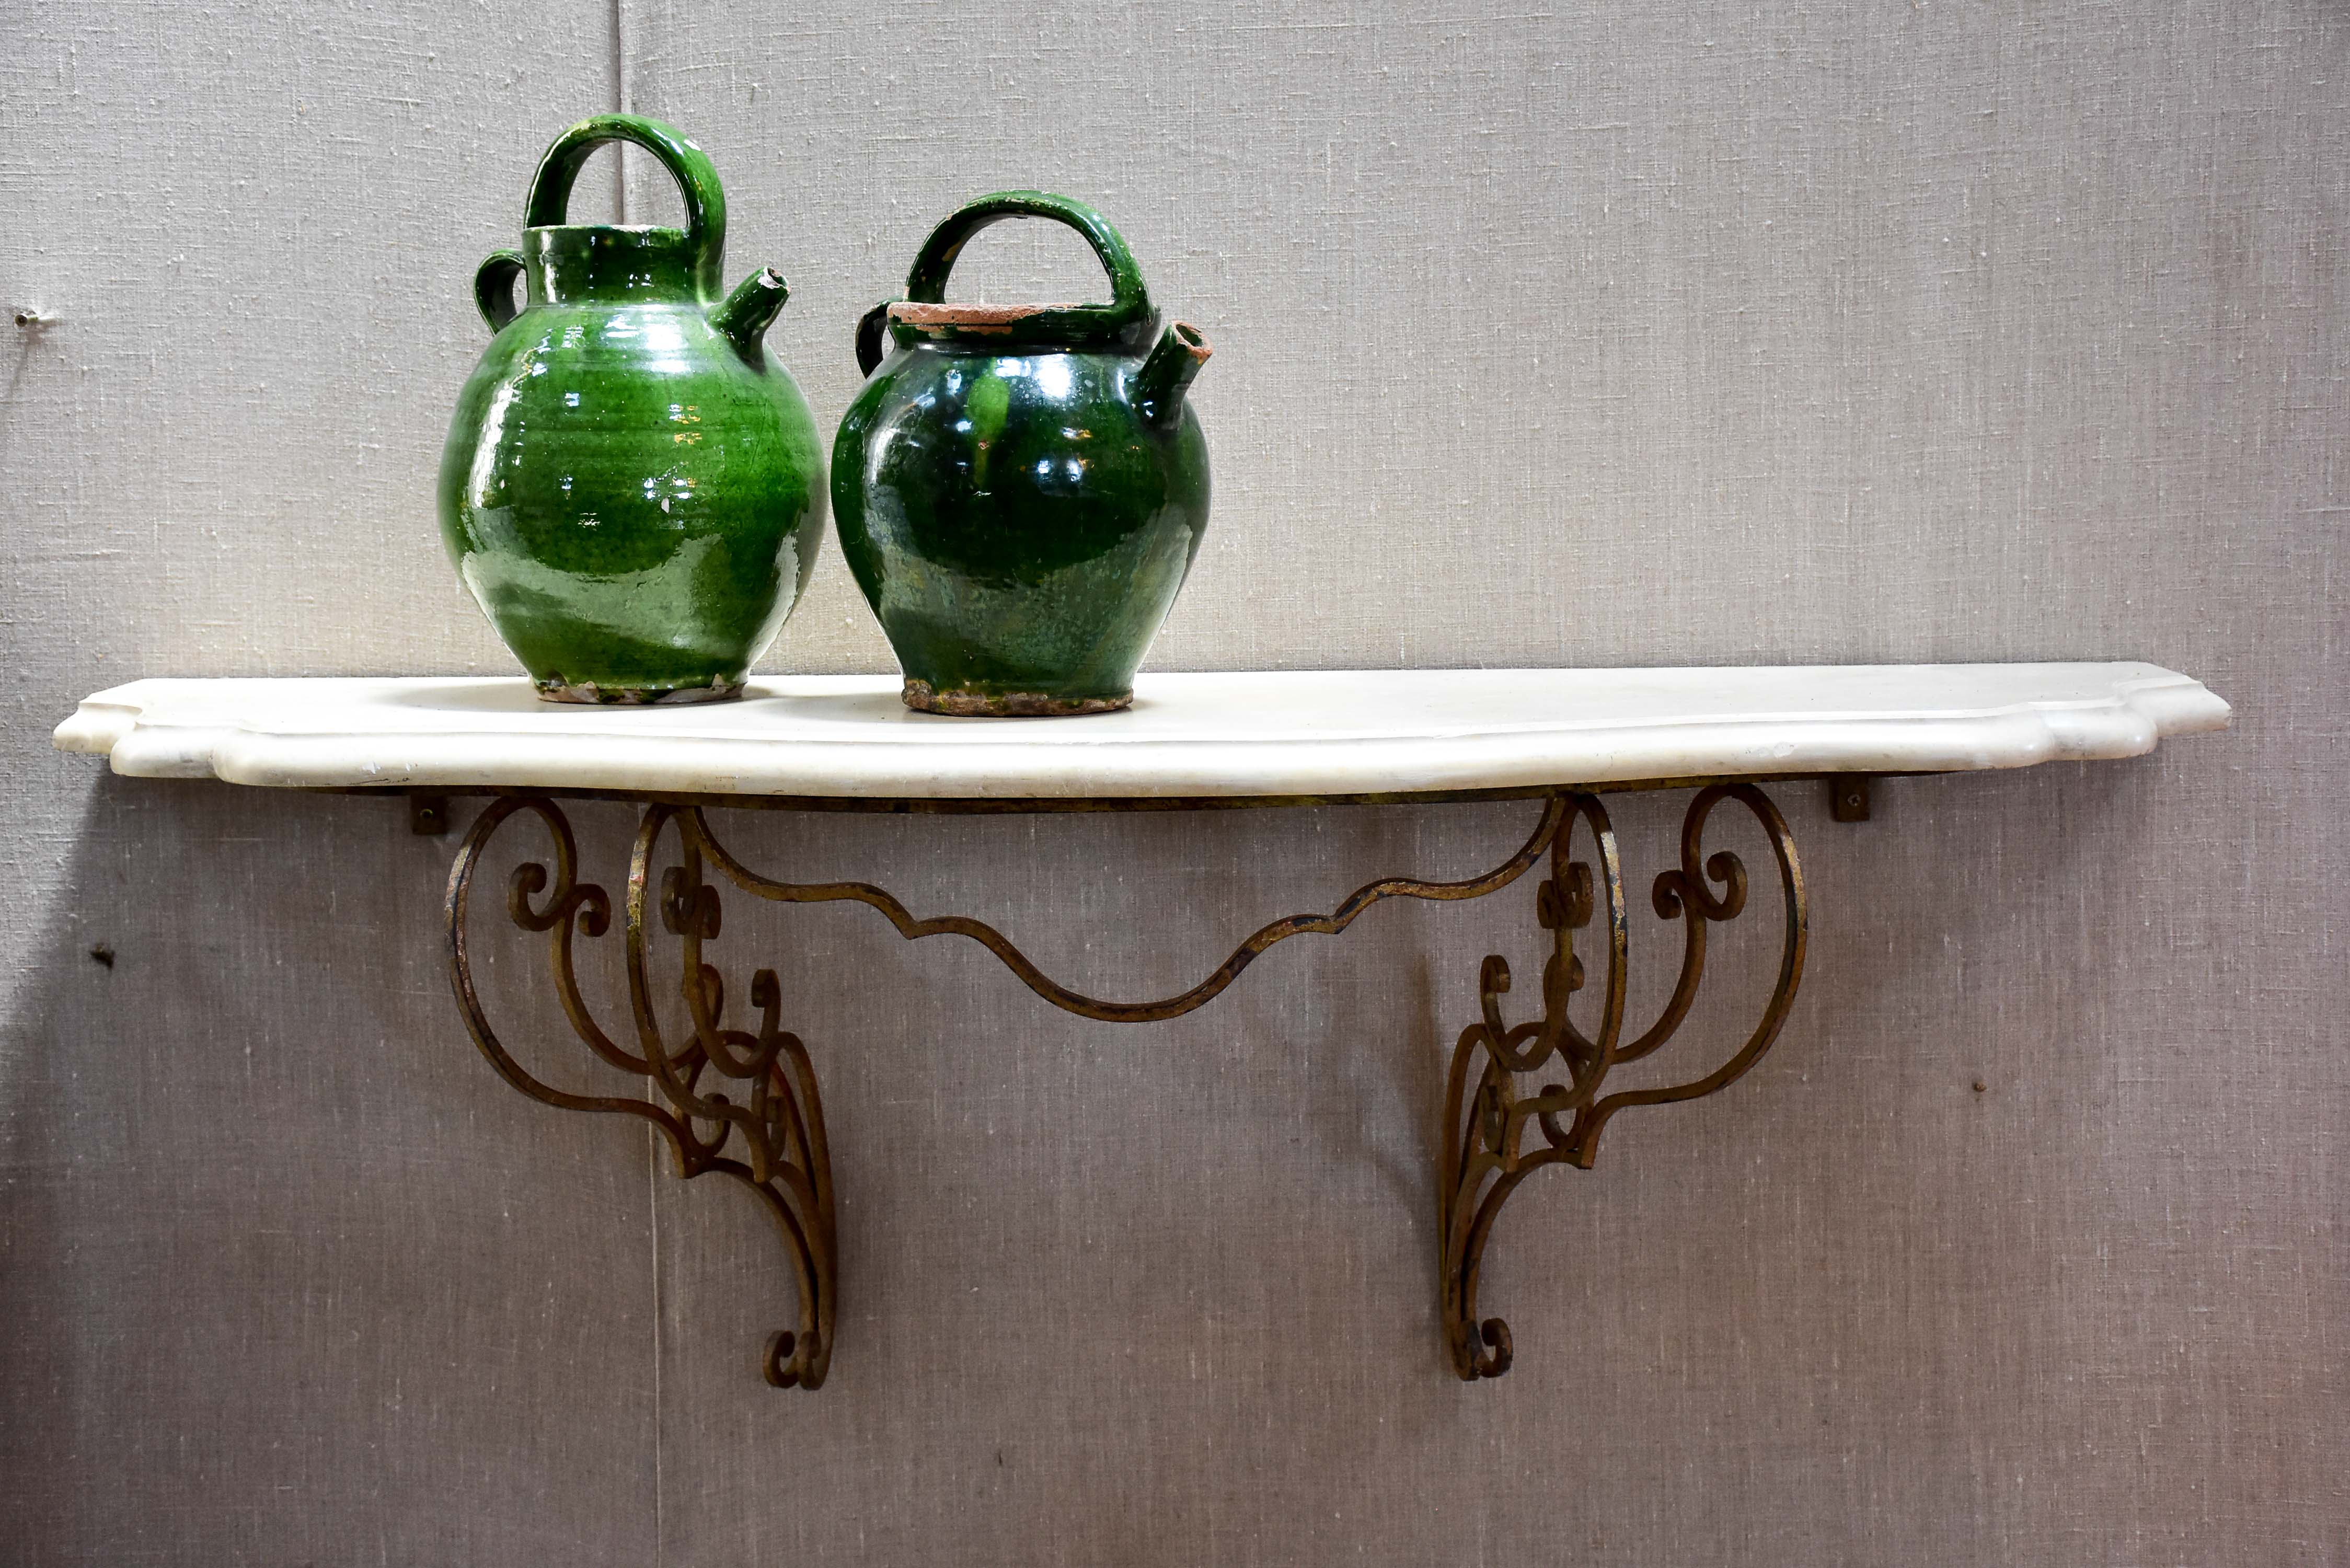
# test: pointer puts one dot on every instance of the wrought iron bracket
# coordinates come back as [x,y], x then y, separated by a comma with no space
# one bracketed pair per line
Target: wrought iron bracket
[776,1120]
[769,1134]
[1485,1117]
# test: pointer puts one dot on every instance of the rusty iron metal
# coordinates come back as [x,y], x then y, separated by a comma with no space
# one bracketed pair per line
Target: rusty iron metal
[1848,797]
[1485,1117]
[1068,1000]
[778,1119]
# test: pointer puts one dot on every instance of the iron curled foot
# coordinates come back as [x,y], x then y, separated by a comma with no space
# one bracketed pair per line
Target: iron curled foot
[1485,1117]
[769,1134]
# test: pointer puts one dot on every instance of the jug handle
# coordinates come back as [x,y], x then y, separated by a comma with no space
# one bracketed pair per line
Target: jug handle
[696,177]
[493,289]
[872,331]
[1129,301]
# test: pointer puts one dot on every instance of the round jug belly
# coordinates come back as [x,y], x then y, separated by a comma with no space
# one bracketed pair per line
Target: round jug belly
[1024,573]
[635,518]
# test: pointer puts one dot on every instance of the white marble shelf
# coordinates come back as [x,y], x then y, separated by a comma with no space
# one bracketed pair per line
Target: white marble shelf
[1208,736]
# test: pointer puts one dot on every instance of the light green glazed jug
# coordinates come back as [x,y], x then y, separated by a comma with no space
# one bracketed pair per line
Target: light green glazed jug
[633,490]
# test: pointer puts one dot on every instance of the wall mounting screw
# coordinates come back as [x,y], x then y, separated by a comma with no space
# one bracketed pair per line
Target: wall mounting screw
[1848,797]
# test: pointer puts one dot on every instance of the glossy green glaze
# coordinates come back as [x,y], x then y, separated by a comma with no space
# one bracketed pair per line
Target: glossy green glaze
[1019,490]
[632,488]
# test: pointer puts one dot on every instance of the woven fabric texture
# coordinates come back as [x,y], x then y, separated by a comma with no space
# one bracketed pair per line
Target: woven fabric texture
[1564,334]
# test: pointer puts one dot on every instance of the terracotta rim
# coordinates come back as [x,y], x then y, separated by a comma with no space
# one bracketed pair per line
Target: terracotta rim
[914,314]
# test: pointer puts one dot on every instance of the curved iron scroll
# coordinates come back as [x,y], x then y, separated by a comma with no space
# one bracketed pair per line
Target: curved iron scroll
[697,828]
[1485,1117]
[776,1119]
[769,1133]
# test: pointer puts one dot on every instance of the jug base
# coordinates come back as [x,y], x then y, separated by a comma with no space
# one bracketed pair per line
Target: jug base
[559,690]
[925,698]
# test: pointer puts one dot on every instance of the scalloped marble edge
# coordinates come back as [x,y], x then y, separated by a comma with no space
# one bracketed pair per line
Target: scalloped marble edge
[1078,758]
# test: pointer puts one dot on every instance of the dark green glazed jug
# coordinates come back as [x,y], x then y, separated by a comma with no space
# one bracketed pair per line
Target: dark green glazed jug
[1020,489]
[633,489]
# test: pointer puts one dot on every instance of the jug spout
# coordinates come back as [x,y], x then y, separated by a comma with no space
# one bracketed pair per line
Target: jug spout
[743,316]
[1158,385]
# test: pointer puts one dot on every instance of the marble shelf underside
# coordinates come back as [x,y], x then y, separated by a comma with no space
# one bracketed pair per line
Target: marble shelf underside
[1188,735]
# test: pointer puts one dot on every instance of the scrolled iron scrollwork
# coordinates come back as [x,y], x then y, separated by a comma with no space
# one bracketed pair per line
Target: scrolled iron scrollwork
[744,1100]
[1068,1000]
[776,1119]
[1485,1117]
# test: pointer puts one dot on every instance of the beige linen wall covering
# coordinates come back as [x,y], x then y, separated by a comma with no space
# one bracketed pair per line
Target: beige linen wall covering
[1567,333]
